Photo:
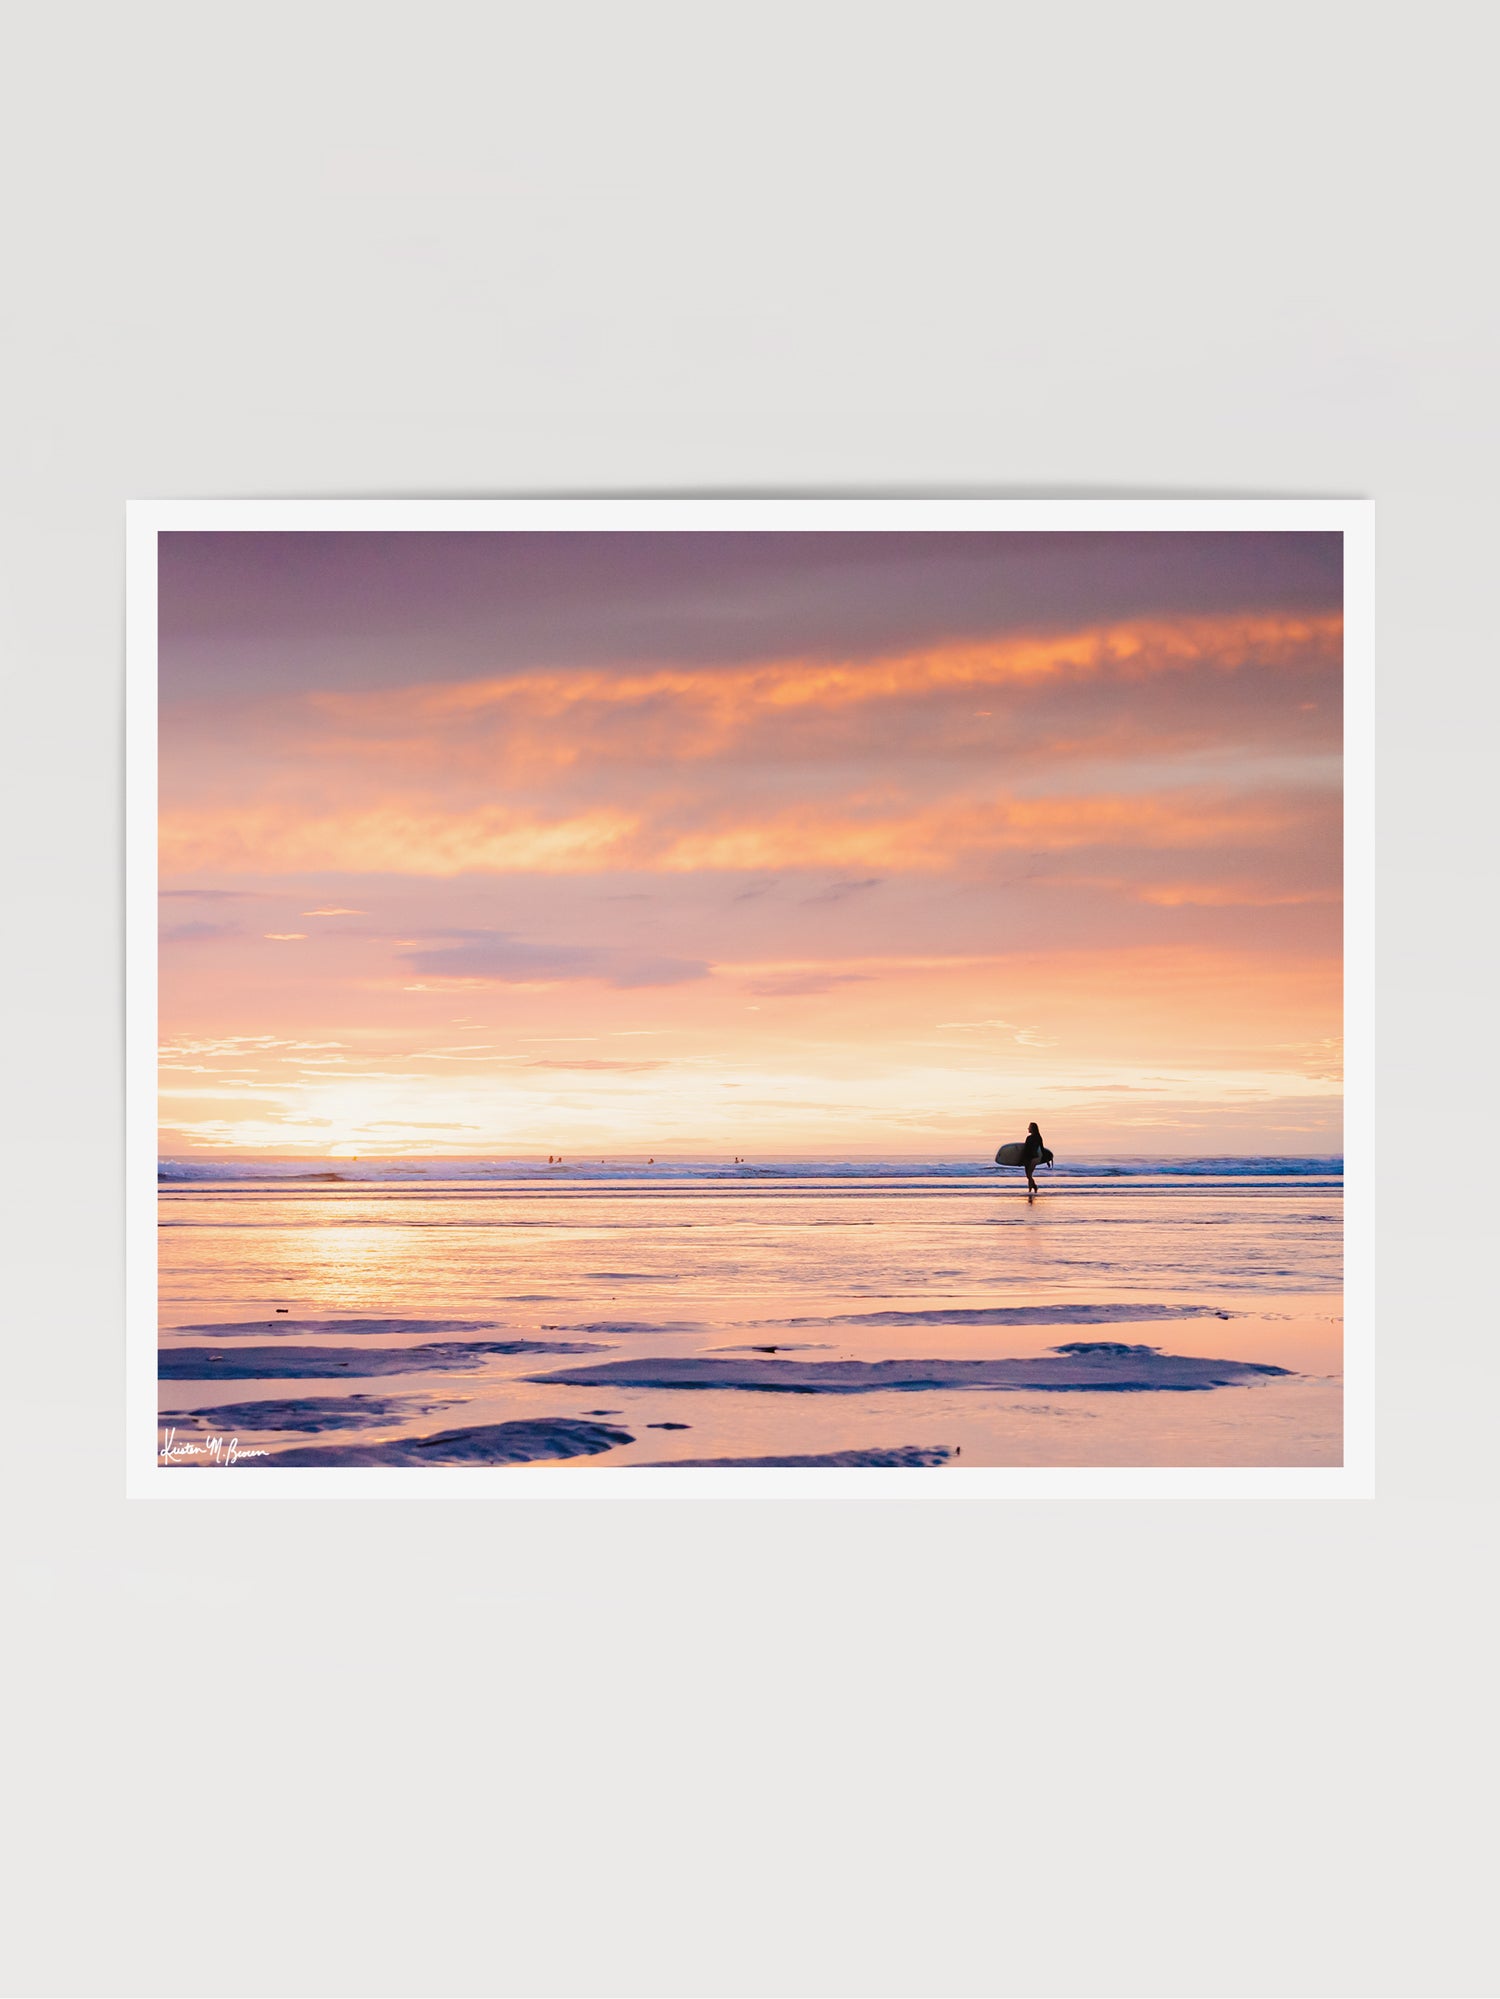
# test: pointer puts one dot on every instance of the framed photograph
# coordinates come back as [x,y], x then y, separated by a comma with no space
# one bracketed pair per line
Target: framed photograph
[708,997]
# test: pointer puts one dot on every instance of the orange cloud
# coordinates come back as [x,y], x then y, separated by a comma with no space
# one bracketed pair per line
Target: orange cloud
[389,840]
[1134,651]
[537,725]
[931,840]
[1230,895]
[412,841]
[563,772]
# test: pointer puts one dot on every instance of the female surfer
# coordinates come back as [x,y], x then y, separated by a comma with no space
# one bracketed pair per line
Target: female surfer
[1031,1151]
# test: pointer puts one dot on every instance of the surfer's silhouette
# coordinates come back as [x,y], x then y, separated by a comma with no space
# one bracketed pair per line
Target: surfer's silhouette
[1031,1152]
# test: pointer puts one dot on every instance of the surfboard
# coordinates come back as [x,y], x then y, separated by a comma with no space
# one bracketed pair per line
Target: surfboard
[1015,1155]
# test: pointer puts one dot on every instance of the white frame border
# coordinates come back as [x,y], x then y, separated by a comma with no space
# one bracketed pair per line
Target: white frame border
[146,1477]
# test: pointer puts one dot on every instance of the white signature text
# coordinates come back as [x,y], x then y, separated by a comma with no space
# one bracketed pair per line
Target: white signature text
[219,1450]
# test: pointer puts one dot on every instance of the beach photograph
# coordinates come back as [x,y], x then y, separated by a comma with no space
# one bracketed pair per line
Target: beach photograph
[718,1278]
[749,999]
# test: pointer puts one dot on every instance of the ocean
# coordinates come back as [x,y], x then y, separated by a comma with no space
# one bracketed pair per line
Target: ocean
[1137,1312]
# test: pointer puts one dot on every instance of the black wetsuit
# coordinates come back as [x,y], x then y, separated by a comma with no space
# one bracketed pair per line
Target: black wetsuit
[1033,1149]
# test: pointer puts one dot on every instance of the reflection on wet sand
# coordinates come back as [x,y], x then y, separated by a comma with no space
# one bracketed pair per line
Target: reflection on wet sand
[894,1295]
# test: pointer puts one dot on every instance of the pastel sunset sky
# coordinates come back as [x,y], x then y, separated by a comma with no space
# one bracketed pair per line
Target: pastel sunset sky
[804,845]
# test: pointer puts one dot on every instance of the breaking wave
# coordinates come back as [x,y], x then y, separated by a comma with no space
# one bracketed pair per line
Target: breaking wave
[313,1172]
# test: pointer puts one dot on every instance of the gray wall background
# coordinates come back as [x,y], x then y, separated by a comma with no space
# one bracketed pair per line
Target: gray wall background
[865,1748]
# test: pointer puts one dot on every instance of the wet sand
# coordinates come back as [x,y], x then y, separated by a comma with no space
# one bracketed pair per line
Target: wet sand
[929,1323]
